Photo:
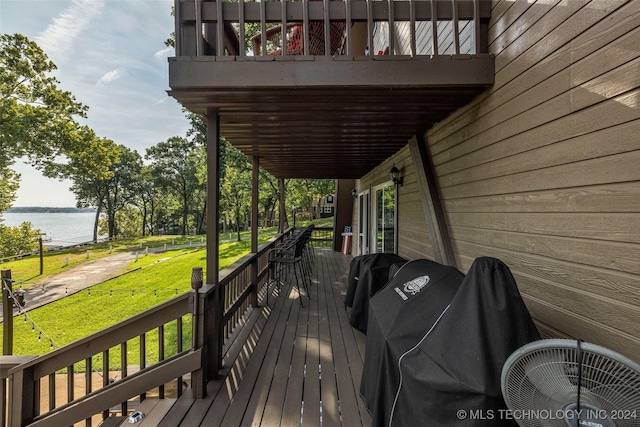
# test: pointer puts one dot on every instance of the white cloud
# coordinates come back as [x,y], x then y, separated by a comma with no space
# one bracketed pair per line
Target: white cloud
[164,53]
[57,39]
[112,76]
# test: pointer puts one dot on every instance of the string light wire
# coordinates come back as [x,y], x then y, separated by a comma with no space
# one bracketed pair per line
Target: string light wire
[34,326]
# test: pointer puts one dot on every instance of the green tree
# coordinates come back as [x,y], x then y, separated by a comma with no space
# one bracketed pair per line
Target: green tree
[92,186]
[128,220]
[269,194]
[37,123]
[111,191]
[18,240]
[37,119]
[121,187]
[144,195]
[235,194]
[174,163]
[9,183]
[303,192]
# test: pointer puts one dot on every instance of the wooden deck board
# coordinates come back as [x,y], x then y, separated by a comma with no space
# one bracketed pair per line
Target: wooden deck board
[274,369]
[311,393]
[292,356]
[293,395]
[275,401]
[346,393]
[349,360]
[329,388]
[239,405]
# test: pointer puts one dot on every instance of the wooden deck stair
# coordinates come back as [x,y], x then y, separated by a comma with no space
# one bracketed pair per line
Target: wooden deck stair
[289,365]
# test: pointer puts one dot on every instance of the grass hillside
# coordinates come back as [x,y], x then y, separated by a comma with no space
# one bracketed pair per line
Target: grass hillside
[152,278]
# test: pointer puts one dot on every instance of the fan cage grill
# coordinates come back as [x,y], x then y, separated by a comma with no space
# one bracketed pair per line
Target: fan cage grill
[540,381]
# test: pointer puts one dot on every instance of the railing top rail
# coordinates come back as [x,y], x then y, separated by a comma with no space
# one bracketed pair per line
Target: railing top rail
[273,11]
[192,15]
[121,390]
[9,362]
[229,273]
[103,340]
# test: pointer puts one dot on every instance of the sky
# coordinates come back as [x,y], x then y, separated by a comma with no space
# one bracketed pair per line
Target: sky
[111,56]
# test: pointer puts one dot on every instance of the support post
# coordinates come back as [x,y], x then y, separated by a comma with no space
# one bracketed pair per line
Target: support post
[283,213]
[209,300]
[430,199]
[253,297]
[22,399]
[198,379]
[214,312]
[41,255]
[7,335]
[7,313]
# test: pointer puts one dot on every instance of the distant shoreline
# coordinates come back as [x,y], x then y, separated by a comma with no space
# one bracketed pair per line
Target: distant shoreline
[44,209]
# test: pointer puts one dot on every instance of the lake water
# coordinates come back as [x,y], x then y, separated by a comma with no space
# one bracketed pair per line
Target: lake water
[63,229]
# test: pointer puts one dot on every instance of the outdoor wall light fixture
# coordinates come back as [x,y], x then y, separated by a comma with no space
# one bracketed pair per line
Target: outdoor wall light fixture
[354,193]
[395,175]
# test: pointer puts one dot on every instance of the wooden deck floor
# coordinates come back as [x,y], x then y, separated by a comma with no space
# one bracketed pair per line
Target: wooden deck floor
[289,365]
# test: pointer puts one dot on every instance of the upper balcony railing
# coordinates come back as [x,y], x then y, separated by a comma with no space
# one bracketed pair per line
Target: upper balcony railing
[331,27]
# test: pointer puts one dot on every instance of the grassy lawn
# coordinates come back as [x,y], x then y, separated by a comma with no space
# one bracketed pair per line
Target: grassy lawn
[157,277]
[27,270]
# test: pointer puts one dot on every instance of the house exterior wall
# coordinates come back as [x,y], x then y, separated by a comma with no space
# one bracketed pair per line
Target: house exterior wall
[542,170]
[424,38]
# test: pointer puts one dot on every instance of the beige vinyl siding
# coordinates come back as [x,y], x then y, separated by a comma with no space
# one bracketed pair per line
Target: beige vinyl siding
[542,170]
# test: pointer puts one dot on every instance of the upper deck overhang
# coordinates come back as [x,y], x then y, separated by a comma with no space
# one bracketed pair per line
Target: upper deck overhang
[325,117]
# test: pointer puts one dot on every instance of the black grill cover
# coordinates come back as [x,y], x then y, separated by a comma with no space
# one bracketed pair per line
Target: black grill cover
[354,277]
[441,350]
[367,275]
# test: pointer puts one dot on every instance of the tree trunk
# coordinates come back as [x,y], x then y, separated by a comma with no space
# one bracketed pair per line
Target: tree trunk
[95,223]
[144,219]
[185,214]
[238,224]
[151,216]
[202,217]
[112,225]
[271,211]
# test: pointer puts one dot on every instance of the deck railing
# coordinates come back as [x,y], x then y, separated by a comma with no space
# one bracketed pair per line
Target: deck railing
[409,27]
[322,237]
[182,348]
[34,398]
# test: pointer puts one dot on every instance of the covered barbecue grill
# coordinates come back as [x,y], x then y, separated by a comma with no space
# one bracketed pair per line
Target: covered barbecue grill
[367,275]
[437,341]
